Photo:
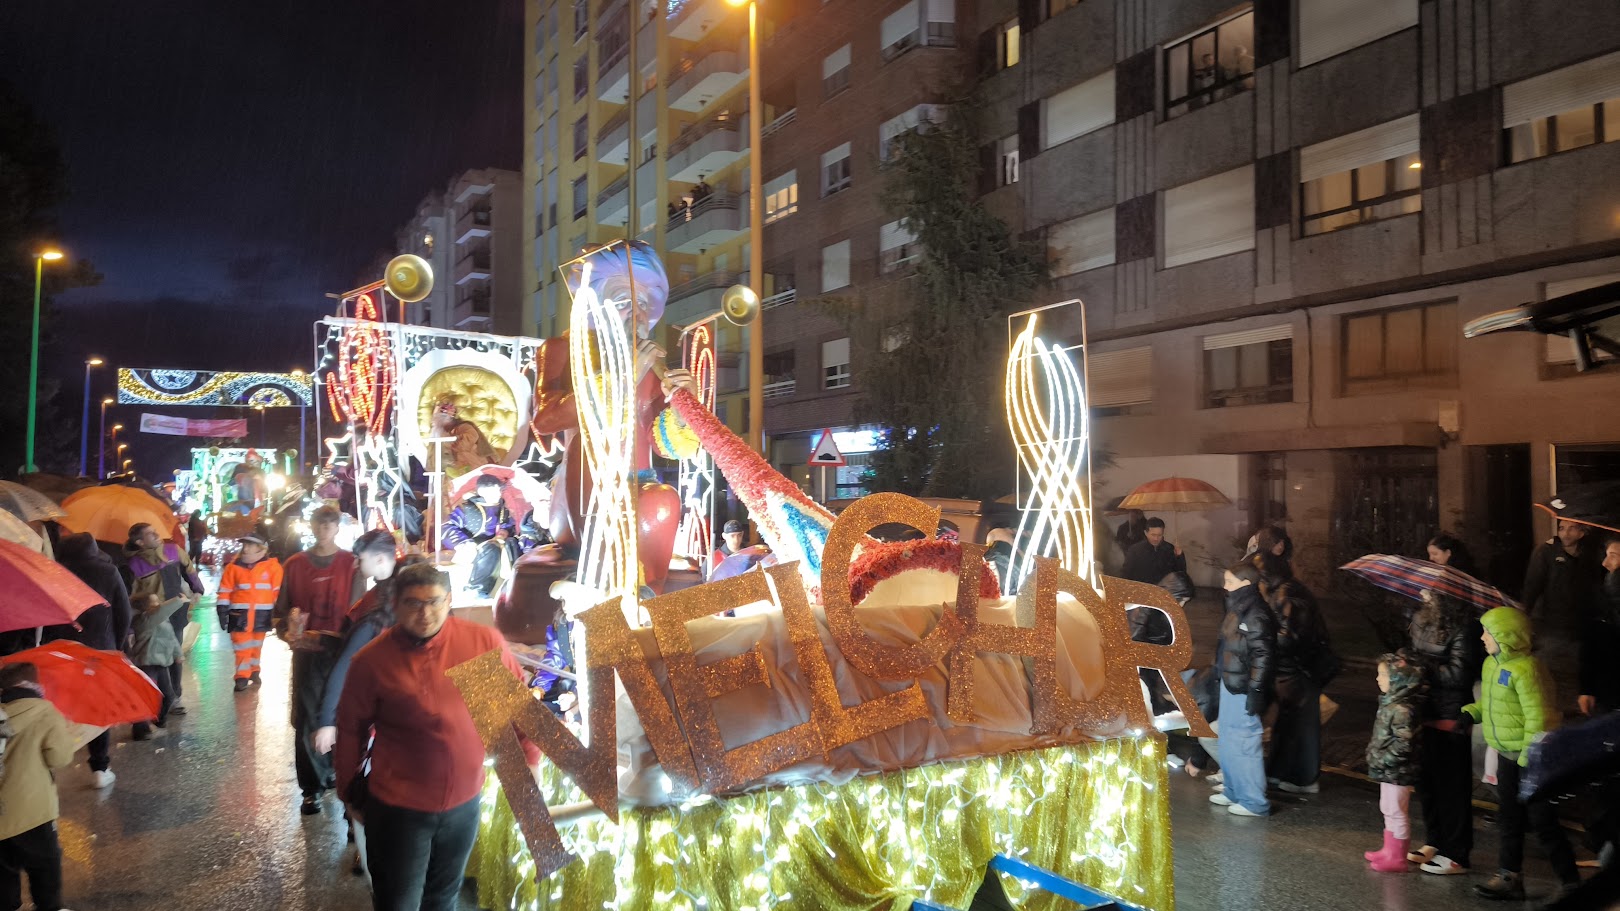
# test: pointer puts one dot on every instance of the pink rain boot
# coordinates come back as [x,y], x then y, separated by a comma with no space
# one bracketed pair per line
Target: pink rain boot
[1392,859]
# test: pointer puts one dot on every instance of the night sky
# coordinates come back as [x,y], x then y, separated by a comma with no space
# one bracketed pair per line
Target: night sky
[230,162]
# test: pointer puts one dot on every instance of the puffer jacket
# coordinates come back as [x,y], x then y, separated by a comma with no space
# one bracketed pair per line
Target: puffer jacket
[1248,642]
[1451,656]
[1393,752]
[1516,702]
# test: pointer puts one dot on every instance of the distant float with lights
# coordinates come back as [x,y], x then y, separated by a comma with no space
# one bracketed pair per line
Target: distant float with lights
[767,741]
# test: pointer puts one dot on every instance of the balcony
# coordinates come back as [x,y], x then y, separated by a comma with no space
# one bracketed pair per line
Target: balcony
[779,299]
[777,387]
[712,220]
[783,120]
[613,203]
[692,300]
[473,223]
[613,139]
[474,188]
[690,20]
[613,74]
[473,267]
[706,147]
[701,78]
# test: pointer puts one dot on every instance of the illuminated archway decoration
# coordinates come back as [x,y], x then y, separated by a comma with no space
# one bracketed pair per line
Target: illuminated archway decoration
[361,389]
[141,386]
[1046,407]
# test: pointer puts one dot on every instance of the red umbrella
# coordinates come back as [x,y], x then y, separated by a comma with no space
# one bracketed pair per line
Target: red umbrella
[89,686]
[39,591]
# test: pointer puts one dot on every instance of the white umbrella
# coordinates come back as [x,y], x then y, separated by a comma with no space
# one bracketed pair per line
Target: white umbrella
[28,504]
[17,531]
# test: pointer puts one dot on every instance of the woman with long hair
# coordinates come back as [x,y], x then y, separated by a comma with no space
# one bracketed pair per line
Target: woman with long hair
[1445,641]
[1296,736]
[1450,551]
[161,569]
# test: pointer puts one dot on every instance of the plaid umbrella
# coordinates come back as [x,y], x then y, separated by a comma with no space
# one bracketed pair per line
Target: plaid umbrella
[1410,577]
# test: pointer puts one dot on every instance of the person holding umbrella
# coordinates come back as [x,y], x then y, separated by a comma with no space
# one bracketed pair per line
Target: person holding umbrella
[162,570]
[1446,642]
[105,626]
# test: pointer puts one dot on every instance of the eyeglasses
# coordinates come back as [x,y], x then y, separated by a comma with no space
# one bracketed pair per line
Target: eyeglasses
[415,604]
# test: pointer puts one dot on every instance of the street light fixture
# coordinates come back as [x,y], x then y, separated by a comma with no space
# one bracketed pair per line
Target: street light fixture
[101,440]
[756,233]
[40,259]
[84,425]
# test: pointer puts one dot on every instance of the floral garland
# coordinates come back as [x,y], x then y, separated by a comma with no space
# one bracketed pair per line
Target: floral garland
[879,562]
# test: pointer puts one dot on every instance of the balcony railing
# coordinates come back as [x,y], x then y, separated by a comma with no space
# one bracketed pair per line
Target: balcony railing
[620,119]
[778,387]
[780,299]
[617,186]
[734,122]
[712,202]
[709,281]
[781,121]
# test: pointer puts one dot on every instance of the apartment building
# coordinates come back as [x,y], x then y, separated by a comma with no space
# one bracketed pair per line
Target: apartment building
[839,77]
[471,234]
[1280,214]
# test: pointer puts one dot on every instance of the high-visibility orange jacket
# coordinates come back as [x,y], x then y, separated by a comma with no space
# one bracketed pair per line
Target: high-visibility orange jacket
[247,593]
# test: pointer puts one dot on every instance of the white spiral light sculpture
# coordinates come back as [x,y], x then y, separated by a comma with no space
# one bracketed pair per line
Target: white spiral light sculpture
[1046,407]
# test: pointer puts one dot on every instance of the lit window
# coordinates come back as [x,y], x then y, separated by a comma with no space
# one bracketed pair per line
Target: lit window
[1255,367]
[1389,350]
[1363,176]
[1053,7]
[1215,63]
[782,196]
[1008,48]
[1007,152]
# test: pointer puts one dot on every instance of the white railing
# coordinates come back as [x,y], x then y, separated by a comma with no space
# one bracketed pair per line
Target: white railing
[780,122]
[779,299]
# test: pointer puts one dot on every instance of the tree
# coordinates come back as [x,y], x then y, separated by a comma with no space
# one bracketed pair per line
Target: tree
[931,346]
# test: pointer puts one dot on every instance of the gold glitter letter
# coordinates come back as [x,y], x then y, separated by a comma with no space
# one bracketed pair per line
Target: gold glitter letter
[1169,660]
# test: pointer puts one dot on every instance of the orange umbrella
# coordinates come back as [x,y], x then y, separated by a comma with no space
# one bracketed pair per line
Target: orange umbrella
[1175,495]
[90,686]
[108,512]
[39,591]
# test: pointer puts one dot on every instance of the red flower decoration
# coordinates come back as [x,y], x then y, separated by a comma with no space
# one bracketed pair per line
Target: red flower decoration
[878,562]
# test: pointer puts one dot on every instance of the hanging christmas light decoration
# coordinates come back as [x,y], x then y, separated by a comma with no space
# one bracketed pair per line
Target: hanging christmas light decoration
[361,389]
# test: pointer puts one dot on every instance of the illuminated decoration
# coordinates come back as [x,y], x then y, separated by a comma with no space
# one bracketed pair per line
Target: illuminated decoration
[212,470]
[602,359]
[138,386]
[361,390]
[1046,407]
[697,474]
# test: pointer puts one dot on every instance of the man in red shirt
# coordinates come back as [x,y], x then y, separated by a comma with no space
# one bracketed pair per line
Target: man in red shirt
[320,584]
[419,803]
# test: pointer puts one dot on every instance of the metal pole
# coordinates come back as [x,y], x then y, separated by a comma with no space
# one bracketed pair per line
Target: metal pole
[756,238]
[101,445]
[632,11]
[33,366]
[84,425]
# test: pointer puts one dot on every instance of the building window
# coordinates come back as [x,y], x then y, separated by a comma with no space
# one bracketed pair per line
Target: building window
[1213,64]
[1209,218]
[916,118]
[835,72]
[1562,110]
[1389,350]
[1360,177]
[581,195]
[835,266]
[1082,243]
[1331,27]
[782,197]
[582,79]
[1121,381]
[835,364]
[897,247]
[835,170]
[941,25]
[1008,47]
[582,136]
[1249,368]
[1053,7]
[582,18]
[1078,110]
[898,33]
[1007,152]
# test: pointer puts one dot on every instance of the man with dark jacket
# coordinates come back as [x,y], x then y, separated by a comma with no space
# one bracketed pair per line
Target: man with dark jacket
[1152,558]
[1563,580]
[105,626]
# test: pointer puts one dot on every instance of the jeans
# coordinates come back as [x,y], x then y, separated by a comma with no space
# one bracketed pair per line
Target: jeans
[37,853]
[1445,787]
[1243,767]
[1512,817]
[416,859]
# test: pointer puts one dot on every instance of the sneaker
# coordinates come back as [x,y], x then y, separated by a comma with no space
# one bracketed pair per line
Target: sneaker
[1176,762]
[1291,788]
[1504,886]
[1214,778]
[255,678]
[102,779]
[1220,800]
[311,805]
[177,710]
[1238,809]
[1422,855]
[1441,866]
[242,684]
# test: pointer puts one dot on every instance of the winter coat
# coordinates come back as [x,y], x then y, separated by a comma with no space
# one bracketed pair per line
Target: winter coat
[360,633]
[1248,642]
[1451,657]
[155,642]
[1516,702]
[42,744]
[1560,589]
[1393,751]
[1149,564]
[164,571]
[1300,628]
[1599,675]
[105,626]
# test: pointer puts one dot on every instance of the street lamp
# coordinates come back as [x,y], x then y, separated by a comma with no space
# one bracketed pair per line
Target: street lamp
[119,453]
[40,259]
[302,424]
[101,441]
[260,410]
[84,425]
[756,234]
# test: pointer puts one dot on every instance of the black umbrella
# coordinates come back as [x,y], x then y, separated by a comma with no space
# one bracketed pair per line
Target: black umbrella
[1596,504]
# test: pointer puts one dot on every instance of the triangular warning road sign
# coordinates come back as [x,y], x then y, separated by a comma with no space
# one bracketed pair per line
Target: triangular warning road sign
[826,452]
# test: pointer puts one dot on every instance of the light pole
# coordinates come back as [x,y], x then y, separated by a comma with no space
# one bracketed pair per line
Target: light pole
[84,425]
[302,424]
[260,410]
[756,234]
[118,453]
[101,441]
[40,259]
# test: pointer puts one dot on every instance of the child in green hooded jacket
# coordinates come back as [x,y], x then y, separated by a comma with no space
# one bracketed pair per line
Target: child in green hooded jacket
[1516,706]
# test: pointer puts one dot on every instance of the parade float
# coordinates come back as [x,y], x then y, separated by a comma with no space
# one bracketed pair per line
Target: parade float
[854,724]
